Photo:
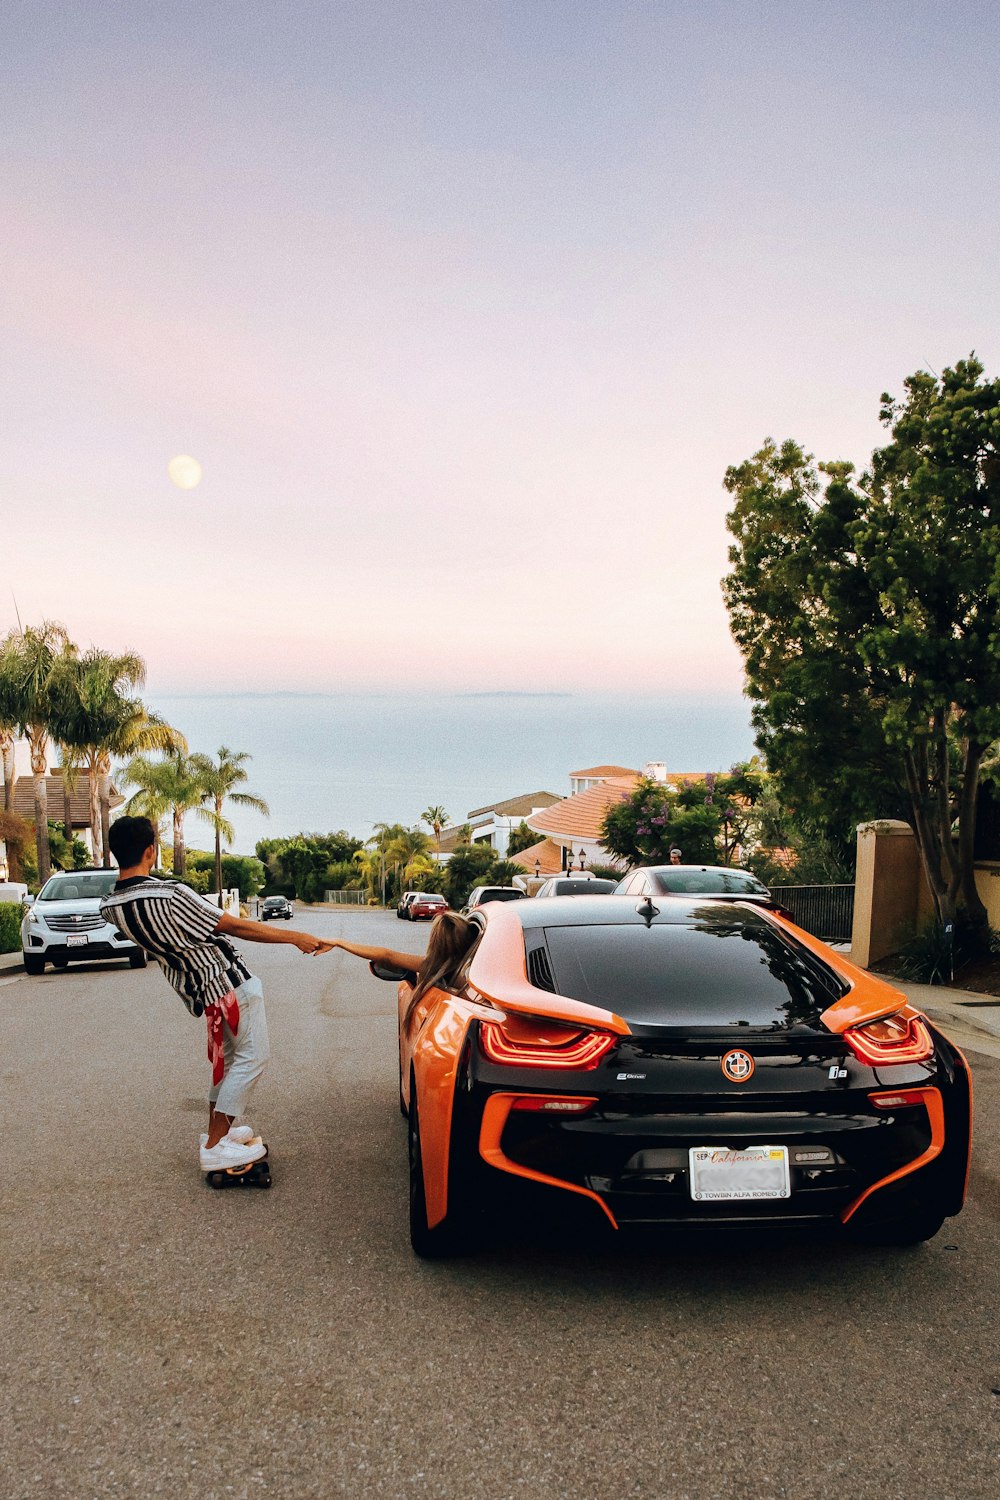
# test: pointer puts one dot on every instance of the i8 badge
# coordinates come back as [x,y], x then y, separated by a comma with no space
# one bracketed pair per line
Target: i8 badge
[738,1065]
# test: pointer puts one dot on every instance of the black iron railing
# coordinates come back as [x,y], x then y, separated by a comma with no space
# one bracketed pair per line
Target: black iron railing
[827,911]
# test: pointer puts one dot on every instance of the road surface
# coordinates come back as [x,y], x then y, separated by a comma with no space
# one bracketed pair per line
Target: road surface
[159,1338]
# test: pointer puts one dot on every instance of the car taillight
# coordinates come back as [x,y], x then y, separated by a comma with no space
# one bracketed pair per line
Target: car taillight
[542,1046]
[542,1104]
[899,1099]
[893,1039]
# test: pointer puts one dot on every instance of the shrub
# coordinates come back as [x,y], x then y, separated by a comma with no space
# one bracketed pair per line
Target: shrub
[933,956]
[11,913]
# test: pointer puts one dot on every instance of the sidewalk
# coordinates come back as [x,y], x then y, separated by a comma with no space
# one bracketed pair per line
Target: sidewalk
[972,1021]
[10,961]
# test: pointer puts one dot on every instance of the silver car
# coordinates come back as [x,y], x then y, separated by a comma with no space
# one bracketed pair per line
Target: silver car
[64,923]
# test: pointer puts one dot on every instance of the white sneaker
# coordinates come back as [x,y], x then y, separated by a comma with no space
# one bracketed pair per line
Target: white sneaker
[229,1153]
[241,1133]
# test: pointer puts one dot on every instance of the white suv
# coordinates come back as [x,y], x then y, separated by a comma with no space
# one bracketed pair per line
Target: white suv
[64,922]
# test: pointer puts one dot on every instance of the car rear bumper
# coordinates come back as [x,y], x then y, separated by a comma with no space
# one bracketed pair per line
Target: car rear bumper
[634,1168]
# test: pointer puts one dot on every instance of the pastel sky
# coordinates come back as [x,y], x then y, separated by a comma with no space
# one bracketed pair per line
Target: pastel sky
[464,308]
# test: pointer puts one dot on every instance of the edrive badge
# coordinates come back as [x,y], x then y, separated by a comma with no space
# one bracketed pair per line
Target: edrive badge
[738,1065]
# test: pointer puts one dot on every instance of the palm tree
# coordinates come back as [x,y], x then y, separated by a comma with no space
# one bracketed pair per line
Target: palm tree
[169,786]
[436,818]
[28,661]
[7,854]
[217,783]
[371,868]
[99,717]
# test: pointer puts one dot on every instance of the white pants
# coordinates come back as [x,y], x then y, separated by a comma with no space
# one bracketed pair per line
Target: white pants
[245,1054]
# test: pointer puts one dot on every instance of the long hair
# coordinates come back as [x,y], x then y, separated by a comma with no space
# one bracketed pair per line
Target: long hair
[449,949]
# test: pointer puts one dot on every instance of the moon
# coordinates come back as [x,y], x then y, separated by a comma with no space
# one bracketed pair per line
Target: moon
[184,471]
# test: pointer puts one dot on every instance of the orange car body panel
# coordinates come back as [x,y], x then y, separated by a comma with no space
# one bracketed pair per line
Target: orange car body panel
[495,1115]
[429,1052]
[934,1105]
[499,972]
[868,998]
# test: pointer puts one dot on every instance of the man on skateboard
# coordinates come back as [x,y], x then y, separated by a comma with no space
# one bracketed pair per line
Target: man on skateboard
[190,939]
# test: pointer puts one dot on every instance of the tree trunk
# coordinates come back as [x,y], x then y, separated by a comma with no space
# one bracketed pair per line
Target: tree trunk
[104,793]
[179,855]
[7,756]
[977,913]
[94,804]
[7,858]
[38,745]
[67,810]
[218,848]
[926,831]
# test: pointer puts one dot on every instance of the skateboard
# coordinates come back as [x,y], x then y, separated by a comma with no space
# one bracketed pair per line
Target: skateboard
[254,1174]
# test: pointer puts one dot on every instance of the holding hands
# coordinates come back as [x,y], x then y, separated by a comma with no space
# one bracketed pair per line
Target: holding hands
[306,943]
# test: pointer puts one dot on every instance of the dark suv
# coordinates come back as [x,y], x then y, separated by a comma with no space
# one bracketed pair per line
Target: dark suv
[276,906]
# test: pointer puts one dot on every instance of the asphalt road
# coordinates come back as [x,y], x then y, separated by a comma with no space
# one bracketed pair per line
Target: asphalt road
[159,1338]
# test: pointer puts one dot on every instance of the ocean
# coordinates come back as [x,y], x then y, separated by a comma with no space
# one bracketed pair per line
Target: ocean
[329,761]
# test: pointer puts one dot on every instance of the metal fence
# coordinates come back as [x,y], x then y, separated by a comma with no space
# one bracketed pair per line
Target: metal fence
[345,898]
[827,911]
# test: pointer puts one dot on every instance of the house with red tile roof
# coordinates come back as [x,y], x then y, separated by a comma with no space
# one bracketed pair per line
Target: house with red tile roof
[573,826]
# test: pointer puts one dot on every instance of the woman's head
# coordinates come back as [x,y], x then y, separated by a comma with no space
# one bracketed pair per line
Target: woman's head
[450,940]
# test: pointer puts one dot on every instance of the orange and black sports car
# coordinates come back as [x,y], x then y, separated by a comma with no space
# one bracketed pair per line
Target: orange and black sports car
[675,1063]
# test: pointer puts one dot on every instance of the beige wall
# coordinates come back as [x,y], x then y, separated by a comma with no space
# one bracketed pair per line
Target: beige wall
[892,899]
[886,891]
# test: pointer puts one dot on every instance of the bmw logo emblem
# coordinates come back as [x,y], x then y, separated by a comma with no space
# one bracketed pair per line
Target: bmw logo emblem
[738,1065]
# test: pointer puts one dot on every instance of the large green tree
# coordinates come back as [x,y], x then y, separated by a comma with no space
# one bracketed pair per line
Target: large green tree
[865,609]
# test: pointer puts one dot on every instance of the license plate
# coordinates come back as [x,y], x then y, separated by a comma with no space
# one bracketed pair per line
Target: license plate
[78,941]
[719,1174]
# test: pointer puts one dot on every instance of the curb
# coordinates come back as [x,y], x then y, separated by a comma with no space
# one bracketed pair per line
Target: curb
[9,961]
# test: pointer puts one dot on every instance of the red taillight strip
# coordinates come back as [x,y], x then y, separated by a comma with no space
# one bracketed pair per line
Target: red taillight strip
[556,1104]
[495,1115]
[935,1112]
[916,1044]
[583,1052]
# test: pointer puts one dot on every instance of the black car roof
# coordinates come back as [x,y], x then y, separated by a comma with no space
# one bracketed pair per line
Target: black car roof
[626,911]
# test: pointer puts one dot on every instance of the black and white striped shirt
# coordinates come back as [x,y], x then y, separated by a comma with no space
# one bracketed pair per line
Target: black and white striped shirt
[177,928]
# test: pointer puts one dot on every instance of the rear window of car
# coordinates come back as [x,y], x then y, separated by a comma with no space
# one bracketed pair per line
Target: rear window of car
[83,885]
[501,895]
[701,974]
[582,887]
[710,882]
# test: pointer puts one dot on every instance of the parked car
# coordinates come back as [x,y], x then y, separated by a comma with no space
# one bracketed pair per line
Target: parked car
[575,885]
[64,923]
[425,905]
[276,906]
[404,901]
[483,894]
[711,882]
[707,1064]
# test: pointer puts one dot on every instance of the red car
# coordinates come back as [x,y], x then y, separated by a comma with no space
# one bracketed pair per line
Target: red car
[425,905]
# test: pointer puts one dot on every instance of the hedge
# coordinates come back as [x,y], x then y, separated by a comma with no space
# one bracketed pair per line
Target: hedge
[11,913]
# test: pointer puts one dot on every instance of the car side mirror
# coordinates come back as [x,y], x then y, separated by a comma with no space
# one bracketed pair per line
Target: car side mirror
[391,972]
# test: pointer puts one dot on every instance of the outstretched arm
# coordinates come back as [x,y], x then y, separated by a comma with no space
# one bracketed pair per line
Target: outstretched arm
[263,932]
[410,961]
